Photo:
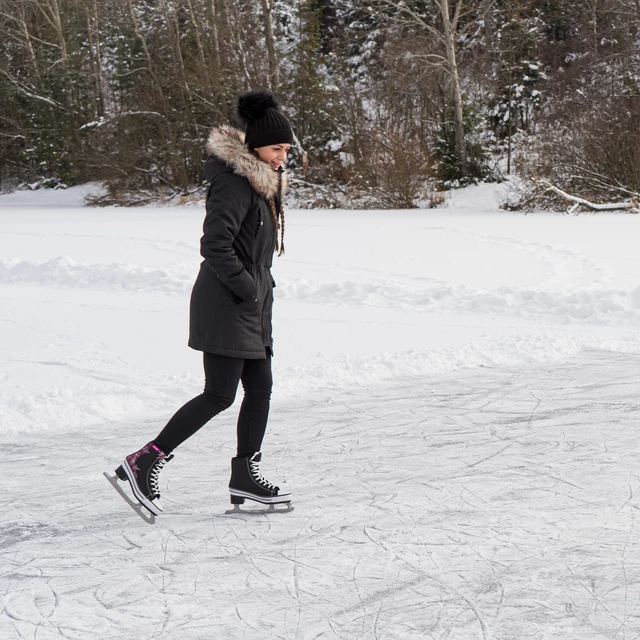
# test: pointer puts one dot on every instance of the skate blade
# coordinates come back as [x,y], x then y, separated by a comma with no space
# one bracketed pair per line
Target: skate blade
[139,508]
[266,509]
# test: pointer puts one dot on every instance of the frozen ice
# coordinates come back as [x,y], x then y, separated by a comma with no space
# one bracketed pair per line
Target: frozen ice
[455,410]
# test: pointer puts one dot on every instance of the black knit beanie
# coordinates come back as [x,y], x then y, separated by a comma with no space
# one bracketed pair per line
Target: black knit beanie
[259,113]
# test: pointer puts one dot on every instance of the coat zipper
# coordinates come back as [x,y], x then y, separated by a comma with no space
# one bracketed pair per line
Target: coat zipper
[259,221]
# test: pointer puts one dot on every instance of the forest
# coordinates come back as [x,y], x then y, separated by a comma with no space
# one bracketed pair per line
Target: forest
[392,101]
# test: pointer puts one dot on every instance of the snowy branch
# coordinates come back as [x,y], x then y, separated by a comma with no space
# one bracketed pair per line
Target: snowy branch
[99,123]
[599,180]
[12,137]
[432,58]
[629,205]
[28,93]
[415,17]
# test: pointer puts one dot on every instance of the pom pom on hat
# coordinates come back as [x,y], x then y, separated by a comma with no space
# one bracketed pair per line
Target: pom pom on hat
[254,105]
[258,112]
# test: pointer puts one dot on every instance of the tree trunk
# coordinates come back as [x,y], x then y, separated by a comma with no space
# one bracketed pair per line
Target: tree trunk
[54,7]
[174,34]
[449,38]
[511,18]
[217,64]
[235,35]
[93,31]
[489,29]
[236,72]
[274,74]
[196,33]
[27,40]
[150,66]
[594,27]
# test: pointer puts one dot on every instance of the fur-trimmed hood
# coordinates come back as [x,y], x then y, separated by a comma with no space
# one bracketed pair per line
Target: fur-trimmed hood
[227,144]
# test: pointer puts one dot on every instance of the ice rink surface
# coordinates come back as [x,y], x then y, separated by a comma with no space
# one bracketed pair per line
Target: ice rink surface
[455,409]
[495,503]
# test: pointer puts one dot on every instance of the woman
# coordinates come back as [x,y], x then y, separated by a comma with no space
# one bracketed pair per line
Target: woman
[231,302]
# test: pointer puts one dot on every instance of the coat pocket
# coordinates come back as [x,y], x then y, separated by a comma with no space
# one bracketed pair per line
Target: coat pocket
[229,294]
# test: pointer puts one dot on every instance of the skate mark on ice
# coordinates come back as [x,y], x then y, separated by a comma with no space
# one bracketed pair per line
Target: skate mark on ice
[424,576]
[591,590]
[296,577]
[493,455]
[554,477]
[41,602]
[164,570]
[19,533]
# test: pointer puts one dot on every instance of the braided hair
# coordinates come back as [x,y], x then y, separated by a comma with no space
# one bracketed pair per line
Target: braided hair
[278,216]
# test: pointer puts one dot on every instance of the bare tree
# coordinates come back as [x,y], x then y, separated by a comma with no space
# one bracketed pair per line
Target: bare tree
[217,63]
[149,58]
[489,25]
[195,27]
[446,37]
[51,12]
[93,32]
[450,25]
[274,73]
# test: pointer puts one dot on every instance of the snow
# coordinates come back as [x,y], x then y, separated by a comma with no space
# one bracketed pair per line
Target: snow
[455,409]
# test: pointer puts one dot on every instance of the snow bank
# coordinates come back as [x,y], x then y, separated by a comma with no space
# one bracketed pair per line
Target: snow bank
[64,272]
[346,371]
[593,306]
[72,197]
[93,387]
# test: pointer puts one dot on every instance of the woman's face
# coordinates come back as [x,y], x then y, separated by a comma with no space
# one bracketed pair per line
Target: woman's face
[273,154]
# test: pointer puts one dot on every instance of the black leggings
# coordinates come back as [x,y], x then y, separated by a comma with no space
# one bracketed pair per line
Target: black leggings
[222,375]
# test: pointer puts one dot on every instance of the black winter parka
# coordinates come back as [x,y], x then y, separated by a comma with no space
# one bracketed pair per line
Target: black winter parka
[232,298]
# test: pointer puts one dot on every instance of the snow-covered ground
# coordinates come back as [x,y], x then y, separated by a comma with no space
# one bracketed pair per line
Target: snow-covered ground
[455,409]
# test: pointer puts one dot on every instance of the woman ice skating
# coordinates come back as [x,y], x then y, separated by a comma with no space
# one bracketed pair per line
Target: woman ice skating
[231,301]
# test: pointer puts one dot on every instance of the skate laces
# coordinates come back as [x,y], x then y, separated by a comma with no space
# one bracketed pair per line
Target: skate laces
[155,472]
[255,474]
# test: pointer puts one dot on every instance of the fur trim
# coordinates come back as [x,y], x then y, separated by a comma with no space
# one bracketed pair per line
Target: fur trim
[227,144]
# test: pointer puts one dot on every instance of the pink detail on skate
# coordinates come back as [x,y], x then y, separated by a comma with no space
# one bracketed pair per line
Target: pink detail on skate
[145,449]
[133,458]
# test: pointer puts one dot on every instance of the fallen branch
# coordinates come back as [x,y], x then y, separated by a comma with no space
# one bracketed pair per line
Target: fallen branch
[628,205]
